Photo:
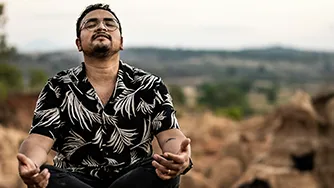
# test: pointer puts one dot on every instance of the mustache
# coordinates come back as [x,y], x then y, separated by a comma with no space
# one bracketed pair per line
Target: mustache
[101,34]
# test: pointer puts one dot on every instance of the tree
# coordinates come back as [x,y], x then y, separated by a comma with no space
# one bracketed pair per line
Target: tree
[11,77]
[225,98]
[6,51]
[231,71]
[37,78]
[177,94]
[3,91]
[272,93]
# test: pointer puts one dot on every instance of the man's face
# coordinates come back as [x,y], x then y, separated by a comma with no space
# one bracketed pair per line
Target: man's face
[100,35]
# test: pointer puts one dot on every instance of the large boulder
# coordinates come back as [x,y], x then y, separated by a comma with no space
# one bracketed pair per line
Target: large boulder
[10,140]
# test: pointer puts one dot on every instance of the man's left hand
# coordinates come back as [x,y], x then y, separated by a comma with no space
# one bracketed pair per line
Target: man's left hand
[172,165]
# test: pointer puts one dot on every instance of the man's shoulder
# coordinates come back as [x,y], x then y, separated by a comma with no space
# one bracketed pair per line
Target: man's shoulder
[66,76]
[139,75]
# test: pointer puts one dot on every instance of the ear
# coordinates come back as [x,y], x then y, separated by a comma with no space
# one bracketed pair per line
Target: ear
[78,43]
[121,45]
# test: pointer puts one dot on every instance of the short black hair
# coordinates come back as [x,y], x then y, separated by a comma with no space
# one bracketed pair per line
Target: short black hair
[91,8]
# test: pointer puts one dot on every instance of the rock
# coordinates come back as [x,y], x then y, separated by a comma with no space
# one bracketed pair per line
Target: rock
[194,180]
[225,172]
[10,140]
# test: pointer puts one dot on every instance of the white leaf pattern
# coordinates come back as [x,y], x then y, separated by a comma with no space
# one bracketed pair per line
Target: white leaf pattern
[113,162]
[175,123]
[90,162]
[98,137]
[156,123]
[121,138]
[59,161]
[76,71]
[73,142]
[168,100]
[48,118]
[95,172]
[57,92]
[134,157]
[78,113]
[108,119]
[147,80]
[146,138]
[65,79]
[125,103]
[90,94]
[40,101]
[144,107]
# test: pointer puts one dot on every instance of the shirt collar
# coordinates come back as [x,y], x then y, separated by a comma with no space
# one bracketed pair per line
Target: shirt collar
[79,73]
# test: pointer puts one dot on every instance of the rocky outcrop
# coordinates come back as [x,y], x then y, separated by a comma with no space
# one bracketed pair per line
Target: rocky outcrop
[17,111]
[10,140]
[292,146]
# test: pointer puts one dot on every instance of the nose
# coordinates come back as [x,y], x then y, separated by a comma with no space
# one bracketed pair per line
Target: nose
[101,26]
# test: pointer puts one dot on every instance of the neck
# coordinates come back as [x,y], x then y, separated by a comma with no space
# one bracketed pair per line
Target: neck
[102,70]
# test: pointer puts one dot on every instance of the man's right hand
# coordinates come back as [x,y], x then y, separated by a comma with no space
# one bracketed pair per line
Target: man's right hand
[30,173]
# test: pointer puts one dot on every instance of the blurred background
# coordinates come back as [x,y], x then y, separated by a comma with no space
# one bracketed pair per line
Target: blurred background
[252,81]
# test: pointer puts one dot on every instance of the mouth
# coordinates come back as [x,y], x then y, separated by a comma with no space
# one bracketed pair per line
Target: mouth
[101,35]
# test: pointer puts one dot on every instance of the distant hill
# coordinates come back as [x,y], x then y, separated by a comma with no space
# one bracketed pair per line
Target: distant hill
[36,46]
[262,63]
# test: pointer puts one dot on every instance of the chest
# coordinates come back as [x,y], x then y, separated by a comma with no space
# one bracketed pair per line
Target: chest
[104,92]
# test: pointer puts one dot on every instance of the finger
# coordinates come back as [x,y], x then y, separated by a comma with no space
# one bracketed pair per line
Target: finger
[45,181]
[162,159]
[22,158]
[184,145]
[41,176]
[29,174]
[160,167]
[25,160]
[168,164]
[162,176]
[177,158]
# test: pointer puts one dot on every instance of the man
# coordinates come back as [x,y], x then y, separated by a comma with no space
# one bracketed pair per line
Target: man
[101,118]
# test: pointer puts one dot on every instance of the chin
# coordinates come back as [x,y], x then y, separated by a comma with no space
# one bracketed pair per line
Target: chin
[101,47]
[100,51]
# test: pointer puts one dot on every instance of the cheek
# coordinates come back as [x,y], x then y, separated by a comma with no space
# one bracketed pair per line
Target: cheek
[116,36]
[85,38]
[117,40]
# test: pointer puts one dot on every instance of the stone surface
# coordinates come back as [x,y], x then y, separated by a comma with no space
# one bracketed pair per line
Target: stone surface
[289,147]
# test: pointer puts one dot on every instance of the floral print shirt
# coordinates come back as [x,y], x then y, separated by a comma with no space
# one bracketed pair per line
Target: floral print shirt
[96,139]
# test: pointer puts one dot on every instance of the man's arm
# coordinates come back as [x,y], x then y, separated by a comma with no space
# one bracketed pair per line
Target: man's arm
[36,147]
[32,154]
[173,143]
[44,130]
[176,154]
[170,141]
[45,126]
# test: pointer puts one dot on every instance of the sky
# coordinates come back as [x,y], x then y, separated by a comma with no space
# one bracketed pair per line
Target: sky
[200,24]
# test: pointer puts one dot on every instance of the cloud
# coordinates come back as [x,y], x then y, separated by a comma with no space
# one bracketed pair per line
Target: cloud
[188,22]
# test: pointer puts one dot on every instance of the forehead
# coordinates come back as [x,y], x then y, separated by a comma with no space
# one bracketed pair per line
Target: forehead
[98,14]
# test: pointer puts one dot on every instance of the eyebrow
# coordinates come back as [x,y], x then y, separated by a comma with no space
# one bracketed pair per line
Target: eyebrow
[95,19]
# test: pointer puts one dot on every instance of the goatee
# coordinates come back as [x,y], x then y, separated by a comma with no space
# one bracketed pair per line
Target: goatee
[99,51]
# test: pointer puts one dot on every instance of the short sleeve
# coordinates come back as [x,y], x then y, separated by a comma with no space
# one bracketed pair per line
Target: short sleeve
[46,118]
[164,114]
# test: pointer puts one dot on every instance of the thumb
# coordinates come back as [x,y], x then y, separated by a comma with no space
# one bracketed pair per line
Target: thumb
[184,145]
[24,160]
